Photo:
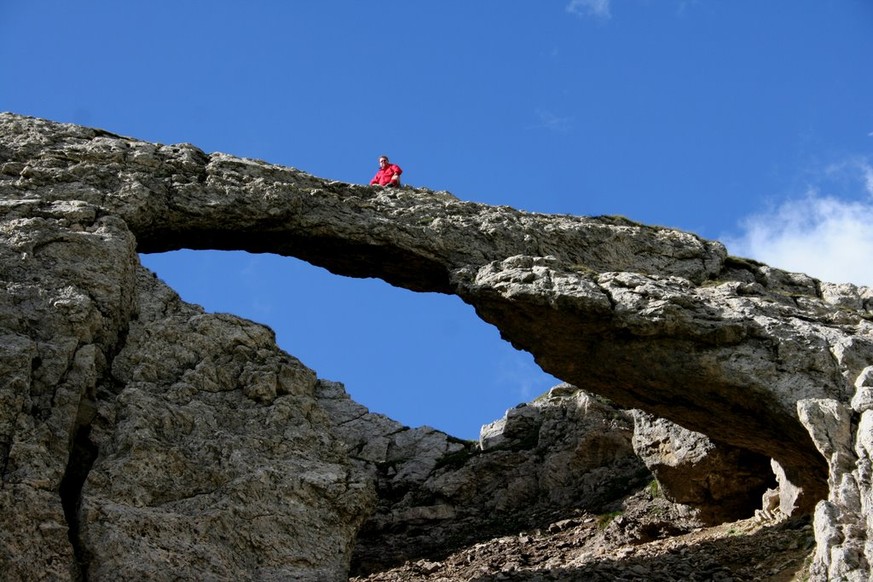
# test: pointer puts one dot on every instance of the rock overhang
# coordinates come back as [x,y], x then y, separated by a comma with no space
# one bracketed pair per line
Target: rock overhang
[653,318]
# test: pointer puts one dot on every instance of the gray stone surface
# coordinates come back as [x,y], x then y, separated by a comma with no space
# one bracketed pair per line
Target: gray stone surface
[141,438]
[652,318]
[215,447]
[563,453]
[723,483]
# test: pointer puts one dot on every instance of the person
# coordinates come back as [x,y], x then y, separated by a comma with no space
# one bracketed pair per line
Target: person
[388,174]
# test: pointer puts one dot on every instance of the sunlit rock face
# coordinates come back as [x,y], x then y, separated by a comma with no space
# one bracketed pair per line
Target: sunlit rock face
[103,404]
[561,454]
[143,439]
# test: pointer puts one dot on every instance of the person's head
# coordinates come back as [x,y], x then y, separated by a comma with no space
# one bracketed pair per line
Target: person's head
[383,161]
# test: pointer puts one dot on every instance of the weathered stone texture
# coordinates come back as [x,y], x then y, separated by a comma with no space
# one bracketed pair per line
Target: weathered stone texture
[68,280]
[723,483]
[652,318]
[215,448]
[144,439]
[563,453]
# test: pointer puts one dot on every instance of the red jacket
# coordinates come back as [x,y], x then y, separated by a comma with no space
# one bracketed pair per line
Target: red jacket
[384,175]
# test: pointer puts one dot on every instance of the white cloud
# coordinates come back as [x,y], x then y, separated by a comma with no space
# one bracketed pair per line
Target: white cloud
[596,8]
[868,179]
[822,235]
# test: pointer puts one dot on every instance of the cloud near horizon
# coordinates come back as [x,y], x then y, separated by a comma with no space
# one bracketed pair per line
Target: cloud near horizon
[822,235]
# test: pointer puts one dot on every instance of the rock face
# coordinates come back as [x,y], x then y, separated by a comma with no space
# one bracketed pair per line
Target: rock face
[563,453]
[767,364]
[725,483]
[143,439]
[215,448]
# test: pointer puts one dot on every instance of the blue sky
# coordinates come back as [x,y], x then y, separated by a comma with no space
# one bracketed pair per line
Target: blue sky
[747,122]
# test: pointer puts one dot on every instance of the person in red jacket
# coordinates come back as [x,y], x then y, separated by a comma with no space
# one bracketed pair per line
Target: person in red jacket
[388,174]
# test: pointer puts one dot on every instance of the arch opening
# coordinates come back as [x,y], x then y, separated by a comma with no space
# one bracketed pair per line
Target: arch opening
[419,358]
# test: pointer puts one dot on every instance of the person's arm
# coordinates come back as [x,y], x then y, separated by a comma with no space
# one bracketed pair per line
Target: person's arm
[395,174]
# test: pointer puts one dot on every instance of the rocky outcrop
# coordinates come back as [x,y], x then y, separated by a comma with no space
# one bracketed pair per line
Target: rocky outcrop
[757,359]
[844,522]
[144,439]
[215,447]
[563,453]
[723,483]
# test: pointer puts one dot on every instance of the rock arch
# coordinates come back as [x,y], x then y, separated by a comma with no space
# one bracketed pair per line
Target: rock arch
[653,318]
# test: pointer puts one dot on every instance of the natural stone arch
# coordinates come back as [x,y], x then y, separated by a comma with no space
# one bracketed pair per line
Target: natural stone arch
[653,318]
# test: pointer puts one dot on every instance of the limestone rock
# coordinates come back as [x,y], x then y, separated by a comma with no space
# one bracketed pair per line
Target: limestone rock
[842,528]
[652,318]
[214,445]
[68,278]
[562,453]
[141,438]
[722,483]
